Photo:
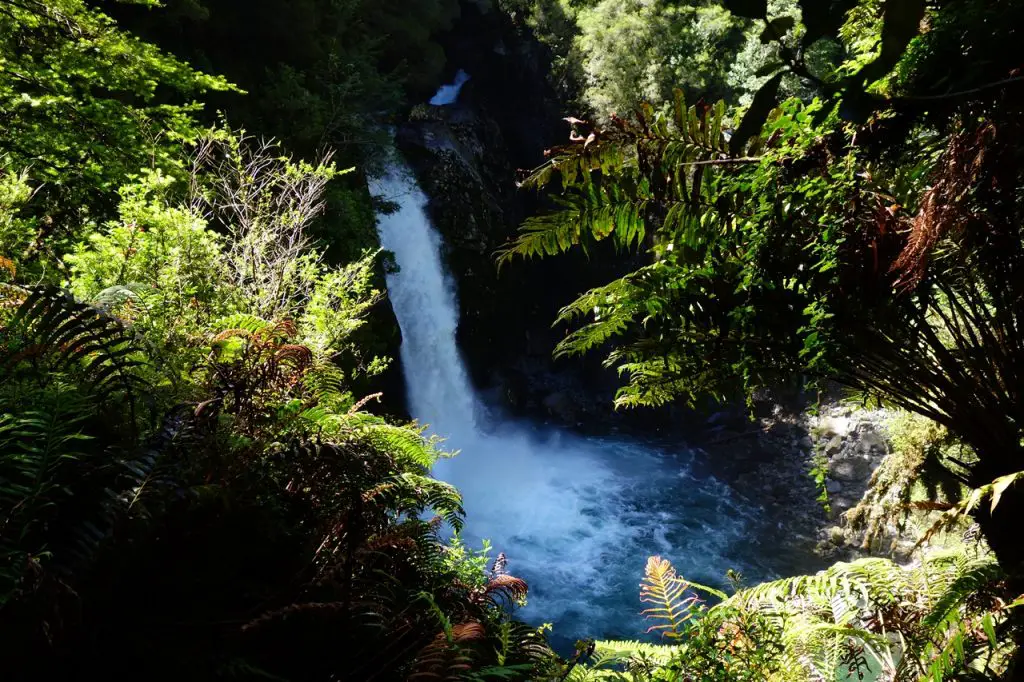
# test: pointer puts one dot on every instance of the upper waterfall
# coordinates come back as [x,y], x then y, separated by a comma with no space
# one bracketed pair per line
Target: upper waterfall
[448,94]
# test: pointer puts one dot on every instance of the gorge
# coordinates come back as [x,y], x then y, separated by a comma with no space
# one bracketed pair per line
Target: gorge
[576,515]
[539,340]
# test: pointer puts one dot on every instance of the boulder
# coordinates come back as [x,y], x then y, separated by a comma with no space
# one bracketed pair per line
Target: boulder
[833,487]
[834,426]
[872,442]
[834,446]
[848,467]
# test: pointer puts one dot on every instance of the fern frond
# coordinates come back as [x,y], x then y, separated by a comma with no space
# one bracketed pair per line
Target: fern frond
[50,322]
[424,492]
[244,322]
[971,578]
[504,590]
[668,593]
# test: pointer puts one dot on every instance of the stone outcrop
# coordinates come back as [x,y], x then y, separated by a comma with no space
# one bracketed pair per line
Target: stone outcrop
[851,445]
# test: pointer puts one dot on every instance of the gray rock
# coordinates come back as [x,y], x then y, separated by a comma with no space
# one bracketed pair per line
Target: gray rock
[834,426]
[833,487]
[849,467]
[834,446]
[903,552]
[871,441]
[842,503]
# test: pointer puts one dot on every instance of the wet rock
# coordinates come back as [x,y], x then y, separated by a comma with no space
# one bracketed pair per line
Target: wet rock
[833,487]
[841,504]
[561,406]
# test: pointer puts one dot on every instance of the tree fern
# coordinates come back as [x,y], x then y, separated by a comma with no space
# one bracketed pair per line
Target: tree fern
[624,181]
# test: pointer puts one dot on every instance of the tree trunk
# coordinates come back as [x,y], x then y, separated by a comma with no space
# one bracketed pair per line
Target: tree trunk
[1003,529]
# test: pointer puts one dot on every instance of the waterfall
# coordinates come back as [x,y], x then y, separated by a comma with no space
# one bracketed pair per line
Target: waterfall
[577,516]
[448,94]
[423,297]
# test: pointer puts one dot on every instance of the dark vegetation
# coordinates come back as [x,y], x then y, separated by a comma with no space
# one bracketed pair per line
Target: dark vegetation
[190,482]
[196,481]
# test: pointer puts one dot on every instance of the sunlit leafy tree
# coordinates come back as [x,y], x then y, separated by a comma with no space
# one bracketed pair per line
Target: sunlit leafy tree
[639,51]
[83,105]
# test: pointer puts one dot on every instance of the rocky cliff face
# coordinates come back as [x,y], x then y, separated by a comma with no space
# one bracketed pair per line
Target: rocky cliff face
[467,157]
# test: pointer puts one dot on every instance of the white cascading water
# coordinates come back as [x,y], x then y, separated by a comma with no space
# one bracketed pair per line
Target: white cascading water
[447,94]
[577,517]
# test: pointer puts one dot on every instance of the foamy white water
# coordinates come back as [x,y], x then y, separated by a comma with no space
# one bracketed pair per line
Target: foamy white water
[576,516]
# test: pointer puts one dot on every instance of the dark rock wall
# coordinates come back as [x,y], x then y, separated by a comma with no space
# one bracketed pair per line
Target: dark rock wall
[468,157]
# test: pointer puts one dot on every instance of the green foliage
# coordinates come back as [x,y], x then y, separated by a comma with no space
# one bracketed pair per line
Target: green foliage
[946,618]
[160,259]
[84,104]
[470,565]
[39,447]
[635,52]
[52,332]
[837,238]
[16,229]
[819,472]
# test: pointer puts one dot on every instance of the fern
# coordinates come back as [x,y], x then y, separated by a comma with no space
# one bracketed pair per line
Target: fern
[422,492]
[618,182]
[38,449]
[50,324]
[667,592]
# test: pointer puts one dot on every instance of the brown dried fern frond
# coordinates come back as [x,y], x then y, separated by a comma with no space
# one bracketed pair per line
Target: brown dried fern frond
[443,658]
[285,329]
[294,355]
[943,207]
[505,590]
